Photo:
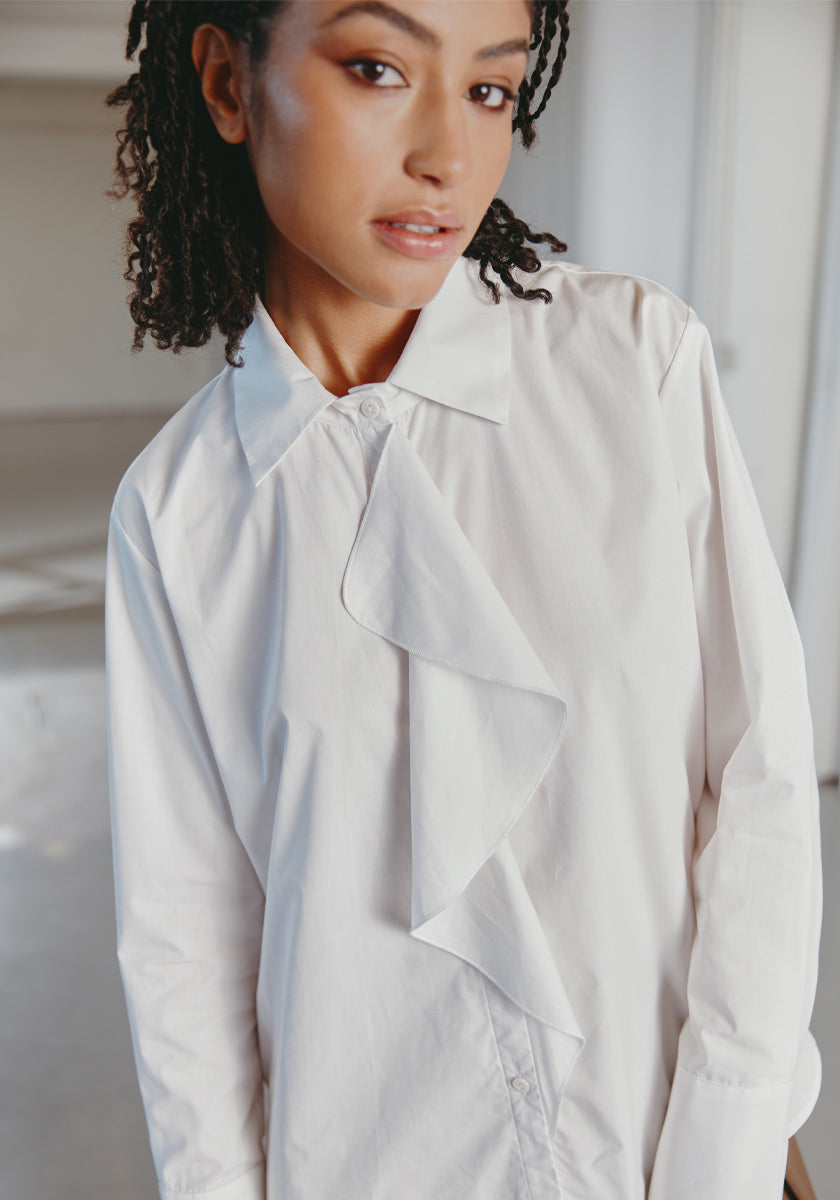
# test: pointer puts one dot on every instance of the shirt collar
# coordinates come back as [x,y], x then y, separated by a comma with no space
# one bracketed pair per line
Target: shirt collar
[458,354]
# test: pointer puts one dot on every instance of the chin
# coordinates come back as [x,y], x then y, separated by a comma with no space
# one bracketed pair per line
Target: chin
[409,289]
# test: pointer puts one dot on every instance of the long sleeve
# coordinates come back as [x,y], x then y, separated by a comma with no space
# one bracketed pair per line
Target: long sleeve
[748,1070]
[189,906]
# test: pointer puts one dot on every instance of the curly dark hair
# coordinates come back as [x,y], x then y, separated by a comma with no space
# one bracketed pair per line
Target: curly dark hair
[195,246]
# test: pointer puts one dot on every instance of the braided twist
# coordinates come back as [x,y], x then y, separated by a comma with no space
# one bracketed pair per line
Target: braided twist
[548,17]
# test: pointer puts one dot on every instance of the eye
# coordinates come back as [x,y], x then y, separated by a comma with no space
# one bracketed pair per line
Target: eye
[378,74]
[491,95]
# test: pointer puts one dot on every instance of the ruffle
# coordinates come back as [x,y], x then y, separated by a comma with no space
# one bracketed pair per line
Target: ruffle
[486,721]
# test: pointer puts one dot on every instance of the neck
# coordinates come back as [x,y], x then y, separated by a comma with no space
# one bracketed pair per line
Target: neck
[344,339]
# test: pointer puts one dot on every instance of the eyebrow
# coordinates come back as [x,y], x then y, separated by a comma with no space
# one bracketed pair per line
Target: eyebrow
[421,33]
[514,46]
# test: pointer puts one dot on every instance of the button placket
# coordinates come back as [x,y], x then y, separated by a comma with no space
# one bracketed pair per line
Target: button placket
[515,1057]
[372,421]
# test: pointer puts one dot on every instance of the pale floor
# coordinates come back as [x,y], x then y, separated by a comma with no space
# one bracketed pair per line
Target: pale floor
[70,1120]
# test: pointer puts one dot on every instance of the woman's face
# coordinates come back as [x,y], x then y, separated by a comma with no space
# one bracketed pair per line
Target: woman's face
[378,134]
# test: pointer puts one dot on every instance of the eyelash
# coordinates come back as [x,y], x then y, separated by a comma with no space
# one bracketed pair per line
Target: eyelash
[354,63]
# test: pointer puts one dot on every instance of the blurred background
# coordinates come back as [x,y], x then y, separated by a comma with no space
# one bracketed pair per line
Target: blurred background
[696,142]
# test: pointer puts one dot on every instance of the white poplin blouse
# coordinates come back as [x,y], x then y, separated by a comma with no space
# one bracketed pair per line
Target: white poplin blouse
[464,811]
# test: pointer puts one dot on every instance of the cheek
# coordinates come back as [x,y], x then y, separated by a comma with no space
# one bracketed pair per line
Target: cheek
[319,156]
[492,157]
[502,147]
[283,103]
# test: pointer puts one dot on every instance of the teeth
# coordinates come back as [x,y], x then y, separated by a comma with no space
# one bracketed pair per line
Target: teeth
[417,228]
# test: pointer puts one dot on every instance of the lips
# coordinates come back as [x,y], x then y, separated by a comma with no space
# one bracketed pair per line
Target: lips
[419,232]
[425,218]
[417,228]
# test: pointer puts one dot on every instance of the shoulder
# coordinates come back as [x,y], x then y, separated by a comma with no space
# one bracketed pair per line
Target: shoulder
[195,455]
[616,316]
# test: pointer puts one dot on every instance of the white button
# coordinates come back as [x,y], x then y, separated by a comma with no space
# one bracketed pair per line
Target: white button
[520,1085]
[370,407]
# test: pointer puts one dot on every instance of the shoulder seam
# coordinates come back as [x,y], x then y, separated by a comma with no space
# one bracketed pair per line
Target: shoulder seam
[676,350]
[132,543]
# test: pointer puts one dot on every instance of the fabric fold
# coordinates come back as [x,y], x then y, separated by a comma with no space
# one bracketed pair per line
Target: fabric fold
[485,723]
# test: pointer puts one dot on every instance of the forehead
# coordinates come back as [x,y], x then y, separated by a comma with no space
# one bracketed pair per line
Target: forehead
[431,23]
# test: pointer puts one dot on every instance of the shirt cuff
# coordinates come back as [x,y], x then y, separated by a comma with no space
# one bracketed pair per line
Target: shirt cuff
[806,1084]
[250,1186]
[721,1143]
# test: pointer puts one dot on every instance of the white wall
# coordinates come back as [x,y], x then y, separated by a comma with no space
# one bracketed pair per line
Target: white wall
[816,592]
[76,405]
[612,170]
[757,260]
[65,330]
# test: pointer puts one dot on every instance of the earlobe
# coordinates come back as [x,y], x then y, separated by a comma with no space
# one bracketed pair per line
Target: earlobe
[218,58]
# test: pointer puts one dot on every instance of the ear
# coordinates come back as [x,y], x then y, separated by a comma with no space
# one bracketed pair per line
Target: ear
[219,59]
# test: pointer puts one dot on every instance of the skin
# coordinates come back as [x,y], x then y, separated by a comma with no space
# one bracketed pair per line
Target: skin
[358,113]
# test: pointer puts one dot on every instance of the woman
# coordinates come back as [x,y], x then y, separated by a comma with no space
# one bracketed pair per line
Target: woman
[465,819]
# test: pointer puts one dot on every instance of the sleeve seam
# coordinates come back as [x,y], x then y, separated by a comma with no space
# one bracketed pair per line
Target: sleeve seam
[132,542]
[673,358]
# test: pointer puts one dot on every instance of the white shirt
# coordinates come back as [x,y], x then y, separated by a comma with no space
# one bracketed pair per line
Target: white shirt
[462,773]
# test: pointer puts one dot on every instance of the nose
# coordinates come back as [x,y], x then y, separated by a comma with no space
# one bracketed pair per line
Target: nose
[440,147]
